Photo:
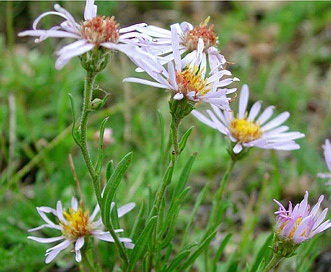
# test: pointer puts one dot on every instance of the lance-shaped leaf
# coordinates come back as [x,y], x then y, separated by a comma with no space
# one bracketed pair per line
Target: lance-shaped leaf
[141,243]
[112,185]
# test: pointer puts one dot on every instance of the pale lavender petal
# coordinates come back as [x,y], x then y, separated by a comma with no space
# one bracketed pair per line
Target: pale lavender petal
[90,10]
[125,209]
[46,240]
[243,101]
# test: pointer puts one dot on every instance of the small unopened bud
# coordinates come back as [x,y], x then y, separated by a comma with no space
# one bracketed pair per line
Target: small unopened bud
[96,103]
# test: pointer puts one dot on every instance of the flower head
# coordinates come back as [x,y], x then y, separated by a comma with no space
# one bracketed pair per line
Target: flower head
[327,157]
[94,32]
[75,225]
[299,224]
[186,80]
[159,42]
[248,130]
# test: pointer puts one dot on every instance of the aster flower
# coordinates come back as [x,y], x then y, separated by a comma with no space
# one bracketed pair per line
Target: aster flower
[327,156]
[76,225]
[299,224]
[186,81]
[247,130]
[94,32]
[159,42]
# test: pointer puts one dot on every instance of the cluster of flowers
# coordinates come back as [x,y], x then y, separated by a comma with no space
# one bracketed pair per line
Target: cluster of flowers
[186,61]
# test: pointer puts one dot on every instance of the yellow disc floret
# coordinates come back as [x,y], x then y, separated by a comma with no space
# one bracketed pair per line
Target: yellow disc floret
[189,80]
[77,224]
[245,131]
[297,223]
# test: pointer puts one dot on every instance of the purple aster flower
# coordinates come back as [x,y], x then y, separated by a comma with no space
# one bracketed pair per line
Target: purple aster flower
[299,224]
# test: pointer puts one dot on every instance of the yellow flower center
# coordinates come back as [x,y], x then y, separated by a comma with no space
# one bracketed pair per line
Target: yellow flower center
[189,81]
[245,131]
[100,29]
[202,31]
[77,225]
[297,223]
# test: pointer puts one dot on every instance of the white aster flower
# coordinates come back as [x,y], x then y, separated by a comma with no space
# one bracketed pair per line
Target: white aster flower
[327,157]
[299,224]
[75,225]
[95,31]
[186,80]
[248,130]
[159,41]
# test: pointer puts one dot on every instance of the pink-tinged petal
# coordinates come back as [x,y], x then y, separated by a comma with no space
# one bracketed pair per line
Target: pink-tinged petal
[125,209]
[320,218]
[90,10]
[317,206]
[243,101]
[46,240]
[322,227]
[288,228]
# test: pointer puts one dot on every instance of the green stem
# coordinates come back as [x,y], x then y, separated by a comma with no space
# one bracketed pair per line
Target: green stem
[273,262]
[166,181]
[88,92]
[174,134]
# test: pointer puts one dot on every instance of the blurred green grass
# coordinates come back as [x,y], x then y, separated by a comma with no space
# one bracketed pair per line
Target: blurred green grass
[282,52]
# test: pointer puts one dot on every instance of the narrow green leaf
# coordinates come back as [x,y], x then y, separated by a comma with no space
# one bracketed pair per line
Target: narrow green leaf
[139,221]
[112,185]
[197,204]
[74,132]
[177,260]
[182,181]
[202,247]
[168,229]
[166,257]
[99,163]
[220,250]
[183,140]
[110,169]
[262,253]
[140,244]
